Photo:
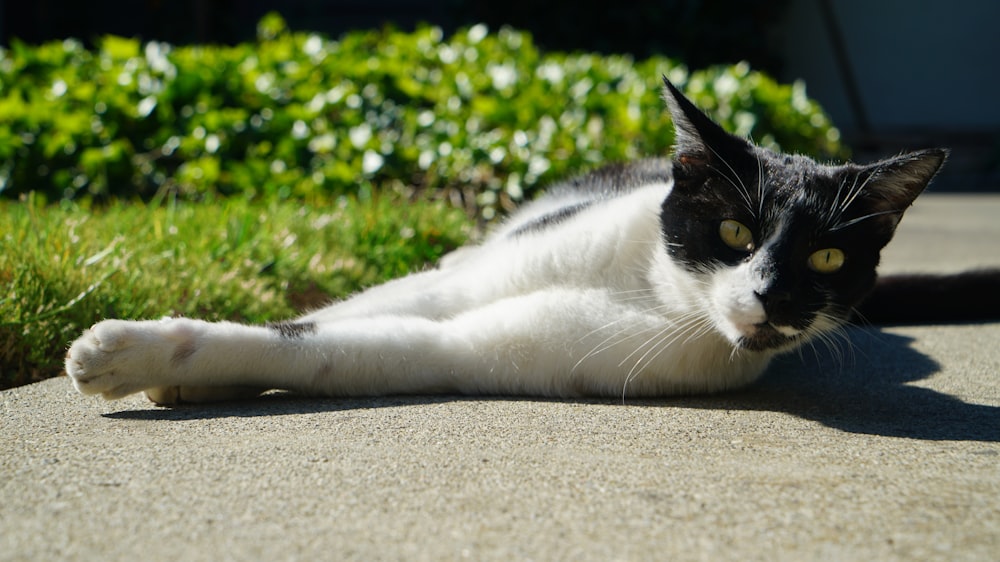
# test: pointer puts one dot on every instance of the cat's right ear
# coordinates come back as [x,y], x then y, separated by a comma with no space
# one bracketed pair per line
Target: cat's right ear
[697,139]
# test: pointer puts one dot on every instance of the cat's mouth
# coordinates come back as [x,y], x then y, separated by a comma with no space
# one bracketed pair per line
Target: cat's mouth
[766,336]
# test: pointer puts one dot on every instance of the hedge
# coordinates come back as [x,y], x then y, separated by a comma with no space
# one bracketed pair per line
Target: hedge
[484,116]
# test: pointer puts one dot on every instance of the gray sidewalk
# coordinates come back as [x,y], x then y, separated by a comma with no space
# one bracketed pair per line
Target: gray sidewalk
[887,448]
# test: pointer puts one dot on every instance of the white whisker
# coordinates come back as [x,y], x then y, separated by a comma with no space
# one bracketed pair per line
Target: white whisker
[741,187]
[760,186]
[851,196]
[696,321]
[611,341]
[851,222]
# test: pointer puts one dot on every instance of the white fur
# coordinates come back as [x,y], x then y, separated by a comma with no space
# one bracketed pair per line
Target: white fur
[590,306]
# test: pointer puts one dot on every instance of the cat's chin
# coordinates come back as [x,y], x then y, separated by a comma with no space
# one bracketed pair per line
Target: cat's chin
[765,337]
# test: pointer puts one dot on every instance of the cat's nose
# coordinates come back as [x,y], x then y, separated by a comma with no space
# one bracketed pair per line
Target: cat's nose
[776,303]
[773,296]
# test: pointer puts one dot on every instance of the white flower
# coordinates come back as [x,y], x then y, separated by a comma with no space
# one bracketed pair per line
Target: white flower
[360,135]
[371,162]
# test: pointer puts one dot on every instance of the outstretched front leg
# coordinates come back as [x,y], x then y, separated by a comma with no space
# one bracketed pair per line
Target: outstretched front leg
[173,360]
[179,359]
[556,342]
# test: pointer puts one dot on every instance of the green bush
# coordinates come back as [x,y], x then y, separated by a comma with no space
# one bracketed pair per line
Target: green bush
[485,117]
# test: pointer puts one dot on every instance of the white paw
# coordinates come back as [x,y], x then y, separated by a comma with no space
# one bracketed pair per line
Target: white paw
[97,361]
[116,358]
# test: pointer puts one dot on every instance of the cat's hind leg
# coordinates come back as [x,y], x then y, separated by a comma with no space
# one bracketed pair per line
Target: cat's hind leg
[170,395]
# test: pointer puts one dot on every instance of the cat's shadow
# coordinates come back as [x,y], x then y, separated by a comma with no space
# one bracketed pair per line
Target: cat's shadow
[865,390]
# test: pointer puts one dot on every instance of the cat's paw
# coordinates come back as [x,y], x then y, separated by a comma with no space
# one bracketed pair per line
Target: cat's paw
[95,360]
[116,358]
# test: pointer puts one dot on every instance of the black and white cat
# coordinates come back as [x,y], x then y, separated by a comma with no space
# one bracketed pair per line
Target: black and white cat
[655,278]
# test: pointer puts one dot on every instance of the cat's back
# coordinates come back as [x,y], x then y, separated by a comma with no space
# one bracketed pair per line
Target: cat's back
[589,211]
[565,200]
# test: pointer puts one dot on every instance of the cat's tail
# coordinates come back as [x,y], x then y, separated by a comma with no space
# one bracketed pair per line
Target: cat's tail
[971,296]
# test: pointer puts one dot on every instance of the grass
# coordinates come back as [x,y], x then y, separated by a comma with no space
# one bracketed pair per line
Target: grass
[64,268]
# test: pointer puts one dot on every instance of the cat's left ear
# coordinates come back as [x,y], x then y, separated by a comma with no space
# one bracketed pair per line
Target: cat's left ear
[893,184]
[697,139]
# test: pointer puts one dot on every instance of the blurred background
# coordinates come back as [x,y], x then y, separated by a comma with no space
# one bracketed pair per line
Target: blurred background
[892,74]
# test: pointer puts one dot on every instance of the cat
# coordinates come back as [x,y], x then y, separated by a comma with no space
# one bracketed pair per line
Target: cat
[655,278]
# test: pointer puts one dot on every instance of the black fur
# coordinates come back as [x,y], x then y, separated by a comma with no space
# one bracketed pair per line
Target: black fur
[292,330]
[551,219]
[621,178]
[794,207]
[972,296]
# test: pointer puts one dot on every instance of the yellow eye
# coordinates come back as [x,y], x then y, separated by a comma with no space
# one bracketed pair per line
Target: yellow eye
[826,261]
[736,235]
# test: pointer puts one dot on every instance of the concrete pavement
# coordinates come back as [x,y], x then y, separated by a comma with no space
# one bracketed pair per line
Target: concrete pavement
[887,447]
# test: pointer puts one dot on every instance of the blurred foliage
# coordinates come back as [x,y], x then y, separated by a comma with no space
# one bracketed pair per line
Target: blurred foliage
[485,117]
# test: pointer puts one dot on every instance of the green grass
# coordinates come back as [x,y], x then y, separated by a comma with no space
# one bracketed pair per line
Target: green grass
[64,268]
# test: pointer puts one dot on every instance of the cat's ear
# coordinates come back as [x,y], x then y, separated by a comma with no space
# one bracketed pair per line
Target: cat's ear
[894,183]
[697,139]
[891,185]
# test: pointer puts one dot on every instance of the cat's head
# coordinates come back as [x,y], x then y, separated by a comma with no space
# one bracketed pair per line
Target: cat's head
[783,246]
